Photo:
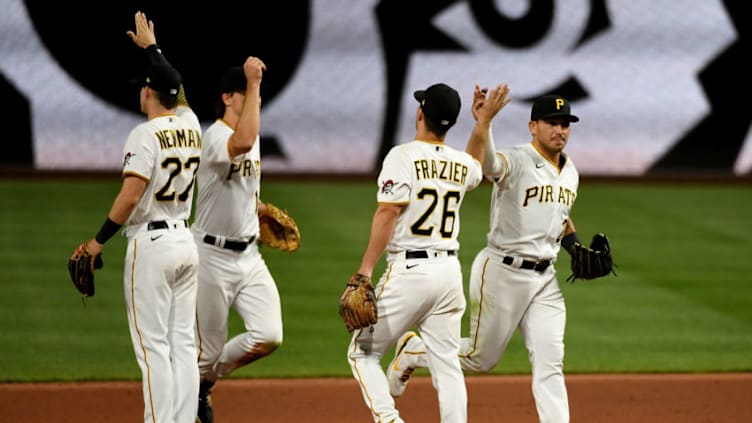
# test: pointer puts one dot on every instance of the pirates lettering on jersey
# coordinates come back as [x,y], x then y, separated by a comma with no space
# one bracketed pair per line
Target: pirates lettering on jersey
[244,168]
[178,138]
[545,194]
[441,169]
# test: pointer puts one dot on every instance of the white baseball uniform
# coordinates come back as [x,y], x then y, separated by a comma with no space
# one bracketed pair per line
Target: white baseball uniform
[161,263]
[530,207]
[232,272]
[422,284]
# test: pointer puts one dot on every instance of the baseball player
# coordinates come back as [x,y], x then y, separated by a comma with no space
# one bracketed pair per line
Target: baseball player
[417,222]
[161,157]
[232,272]
[513,281]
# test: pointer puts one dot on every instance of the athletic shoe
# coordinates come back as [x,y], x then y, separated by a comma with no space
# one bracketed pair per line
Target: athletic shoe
[205,413]
[399,371]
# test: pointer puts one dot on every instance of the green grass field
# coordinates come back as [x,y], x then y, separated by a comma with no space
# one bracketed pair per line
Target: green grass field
[682,300]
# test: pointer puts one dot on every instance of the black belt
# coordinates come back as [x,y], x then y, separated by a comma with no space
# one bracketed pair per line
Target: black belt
[423,254]
[161,224]
[230,244]
[538,266]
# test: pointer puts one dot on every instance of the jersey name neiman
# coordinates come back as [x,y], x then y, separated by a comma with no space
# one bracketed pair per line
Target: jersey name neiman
[178,138]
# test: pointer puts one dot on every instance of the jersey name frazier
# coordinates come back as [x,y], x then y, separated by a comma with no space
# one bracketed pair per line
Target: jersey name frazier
[445,170]
[244,168]
[178,138]
[545,194]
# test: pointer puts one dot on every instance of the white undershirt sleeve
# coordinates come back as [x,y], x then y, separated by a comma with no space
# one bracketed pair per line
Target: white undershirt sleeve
[492,163]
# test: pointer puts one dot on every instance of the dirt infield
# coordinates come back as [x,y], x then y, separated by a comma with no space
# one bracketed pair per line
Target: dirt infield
[706,398]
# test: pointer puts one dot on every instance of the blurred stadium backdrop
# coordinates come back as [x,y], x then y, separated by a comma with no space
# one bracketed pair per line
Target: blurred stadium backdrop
[660,86]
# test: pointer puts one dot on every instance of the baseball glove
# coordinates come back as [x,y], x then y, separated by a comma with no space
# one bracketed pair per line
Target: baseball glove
[357,305]
[81,268]
[592,262]
[278,230]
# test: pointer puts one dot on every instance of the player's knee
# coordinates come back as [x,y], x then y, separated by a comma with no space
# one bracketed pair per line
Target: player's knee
[474,363]
[265,348]
[256,351]
[485,366]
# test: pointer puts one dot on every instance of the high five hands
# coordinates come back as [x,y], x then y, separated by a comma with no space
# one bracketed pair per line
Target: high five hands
[486,104]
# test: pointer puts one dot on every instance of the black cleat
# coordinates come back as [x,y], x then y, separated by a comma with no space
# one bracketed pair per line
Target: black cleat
[205,413]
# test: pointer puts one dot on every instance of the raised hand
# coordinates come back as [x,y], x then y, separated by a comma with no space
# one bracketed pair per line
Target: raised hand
[479,96]
[144,35]
[487,104]
[254,69]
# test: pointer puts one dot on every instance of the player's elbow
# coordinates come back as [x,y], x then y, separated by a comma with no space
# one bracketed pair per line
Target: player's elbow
[242,143]
[388,211]
[242,148]
[492,166]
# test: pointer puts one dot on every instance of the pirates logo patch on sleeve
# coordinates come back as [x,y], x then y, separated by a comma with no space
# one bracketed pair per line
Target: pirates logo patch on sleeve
[386,186]
[127,158]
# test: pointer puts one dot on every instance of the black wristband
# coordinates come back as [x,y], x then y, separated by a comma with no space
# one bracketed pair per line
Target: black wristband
[109,228]
[568,242]
[155,57]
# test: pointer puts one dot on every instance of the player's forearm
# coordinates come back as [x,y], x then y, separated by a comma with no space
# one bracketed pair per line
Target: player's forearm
[249,122]
[492,163]
[570,237]
[122,208]
[127,199]
[477,144]
[481,147]
[155,57]
[260,206]
[382,227]
[570,227]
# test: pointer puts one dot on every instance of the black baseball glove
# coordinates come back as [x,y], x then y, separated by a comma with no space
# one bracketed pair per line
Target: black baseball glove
[591,262]
[81,266]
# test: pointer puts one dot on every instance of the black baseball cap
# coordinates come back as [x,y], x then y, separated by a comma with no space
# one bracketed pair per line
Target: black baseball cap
[440,103]
[232,80]
[161,78]
[550,106]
